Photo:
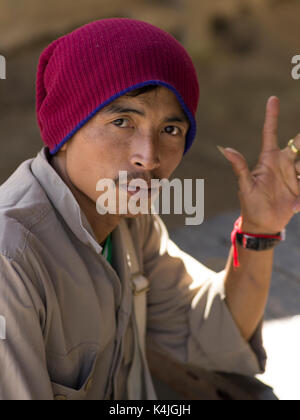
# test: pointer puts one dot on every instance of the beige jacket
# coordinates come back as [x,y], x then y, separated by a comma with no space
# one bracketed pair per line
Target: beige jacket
[68,312]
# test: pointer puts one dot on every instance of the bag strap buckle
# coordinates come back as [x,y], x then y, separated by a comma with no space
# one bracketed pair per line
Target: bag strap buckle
[140,284]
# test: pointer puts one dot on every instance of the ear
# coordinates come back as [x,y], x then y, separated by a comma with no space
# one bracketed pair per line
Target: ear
[63,147]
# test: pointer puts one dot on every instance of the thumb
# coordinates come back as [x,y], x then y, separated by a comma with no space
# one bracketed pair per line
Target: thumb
[240,167]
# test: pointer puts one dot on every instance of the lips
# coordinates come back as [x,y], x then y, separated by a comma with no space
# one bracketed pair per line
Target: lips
[143,192]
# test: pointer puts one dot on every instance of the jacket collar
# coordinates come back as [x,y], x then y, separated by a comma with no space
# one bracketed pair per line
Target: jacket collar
[63,199]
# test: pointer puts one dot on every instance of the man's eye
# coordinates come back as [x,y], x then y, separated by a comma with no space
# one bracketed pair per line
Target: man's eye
[121,122]
[172,130]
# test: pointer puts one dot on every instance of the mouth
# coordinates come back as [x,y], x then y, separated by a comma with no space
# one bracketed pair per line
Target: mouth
[143,192]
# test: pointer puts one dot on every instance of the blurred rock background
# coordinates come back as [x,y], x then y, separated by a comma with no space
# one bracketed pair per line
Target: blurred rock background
[242,50]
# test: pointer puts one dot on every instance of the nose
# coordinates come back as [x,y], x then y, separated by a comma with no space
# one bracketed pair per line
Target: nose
[146,154]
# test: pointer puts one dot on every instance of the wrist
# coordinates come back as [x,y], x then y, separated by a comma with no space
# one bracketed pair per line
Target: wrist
[257,230]
[253,238]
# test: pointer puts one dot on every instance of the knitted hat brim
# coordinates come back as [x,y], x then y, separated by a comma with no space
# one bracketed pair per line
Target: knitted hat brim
[190,134]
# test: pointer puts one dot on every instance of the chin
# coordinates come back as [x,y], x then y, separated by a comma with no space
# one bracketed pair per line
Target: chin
[132,216]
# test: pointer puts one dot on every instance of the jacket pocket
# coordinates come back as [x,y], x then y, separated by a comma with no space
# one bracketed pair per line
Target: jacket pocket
[61,392]
[72,374]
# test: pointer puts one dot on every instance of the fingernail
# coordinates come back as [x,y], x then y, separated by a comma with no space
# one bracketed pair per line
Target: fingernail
[229,149]
[222,150]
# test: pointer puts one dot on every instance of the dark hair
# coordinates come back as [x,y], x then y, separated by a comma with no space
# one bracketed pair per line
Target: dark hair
[144,89]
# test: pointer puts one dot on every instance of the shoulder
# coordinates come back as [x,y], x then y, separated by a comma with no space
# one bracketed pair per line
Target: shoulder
[23,204]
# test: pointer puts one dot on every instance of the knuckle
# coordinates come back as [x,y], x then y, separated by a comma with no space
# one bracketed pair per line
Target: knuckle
[288,155]
[269,131]
[297,140]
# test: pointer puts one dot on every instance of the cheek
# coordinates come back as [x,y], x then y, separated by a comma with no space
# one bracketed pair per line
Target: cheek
[87,162]
[104,143]
[172,153]
[84,169]
[81,172]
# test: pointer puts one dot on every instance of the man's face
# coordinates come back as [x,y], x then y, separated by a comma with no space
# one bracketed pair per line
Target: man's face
[143,135]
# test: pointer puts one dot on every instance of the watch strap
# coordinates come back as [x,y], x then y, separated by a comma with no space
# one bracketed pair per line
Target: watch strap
[256,243]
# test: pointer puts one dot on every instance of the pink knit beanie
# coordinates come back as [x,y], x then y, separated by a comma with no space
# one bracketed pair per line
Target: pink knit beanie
[80,73]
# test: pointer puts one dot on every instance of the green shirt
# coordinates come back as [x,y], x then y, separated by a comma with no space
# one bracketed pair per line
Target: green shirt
[107,249]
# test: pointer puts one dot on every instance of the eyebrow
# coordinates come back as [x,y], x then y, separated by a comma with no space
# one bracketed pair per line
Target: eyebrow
[119,109]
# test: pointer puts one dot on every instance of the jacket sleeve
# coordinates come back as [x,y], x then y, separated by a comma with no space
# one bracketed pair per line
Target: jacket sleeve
[23,365]
[187,313]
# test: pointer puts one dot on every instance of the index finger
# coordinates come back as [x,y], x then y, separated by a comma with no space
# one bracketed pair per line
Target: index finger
[270,131]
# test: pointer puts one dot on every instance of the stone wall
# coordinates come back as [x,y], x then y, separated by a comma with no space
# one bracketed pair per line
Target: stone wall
[23,21]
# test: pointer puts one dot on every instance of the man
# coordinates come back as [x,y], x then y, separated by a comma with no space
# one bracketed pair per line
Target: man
[121,95]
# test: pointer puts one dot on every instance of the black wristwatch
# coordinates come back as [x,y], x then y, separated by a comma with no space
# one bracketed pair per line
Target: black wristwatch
[259,244]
